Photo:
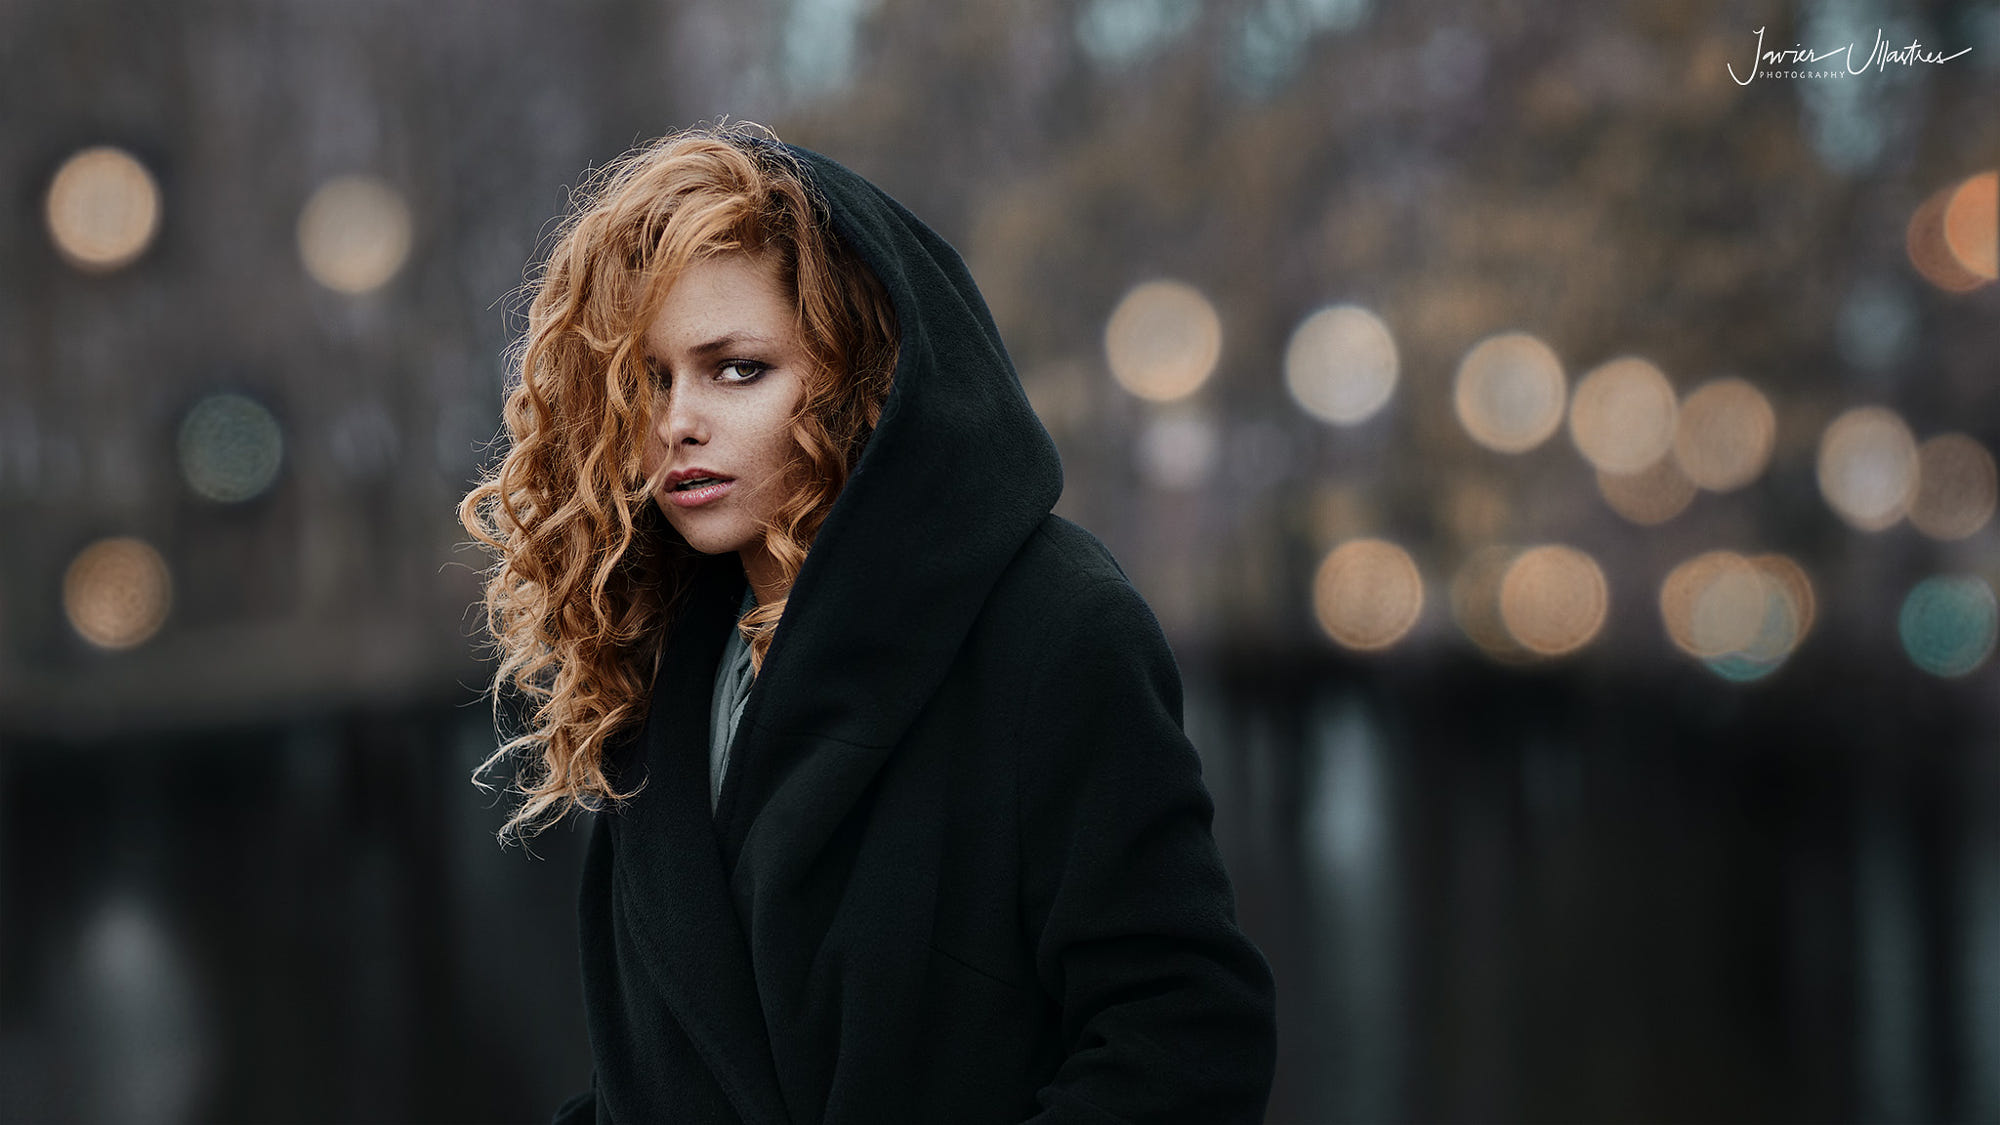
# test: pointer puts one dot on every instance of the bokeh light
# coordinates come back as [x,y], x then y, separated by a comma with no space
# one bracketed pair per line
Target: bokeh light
[1725,434]
[1163,340]
[1341,364]
[1795,586]
[1972,225]
[1553,599]
[354,234]
[1367,593]
[1650,496]
[1475,603]
[1948,624]
[1955,487]
[116,592]
[1509,392]
[1179,450]
[1951,235]
[1868,467]
[1713,604]
[1621,416]
[103,209]
[230,448]
[1786,616]
[1953,238]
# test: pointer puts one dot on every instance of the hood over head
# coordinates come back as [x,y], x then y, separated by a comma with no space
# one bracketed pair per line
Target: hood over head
[958,472]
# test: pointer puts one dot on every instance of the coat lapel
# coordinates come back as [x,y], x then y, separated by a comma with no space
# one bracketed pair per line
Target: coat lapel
[670,864]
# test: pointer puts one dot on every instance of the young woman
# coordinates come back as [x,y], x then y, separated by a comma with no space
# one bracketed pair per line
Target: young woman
[895,818]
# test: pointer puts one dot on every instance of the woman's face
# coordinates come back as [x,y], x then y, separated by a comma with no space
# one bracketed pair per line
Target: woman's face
[729,370]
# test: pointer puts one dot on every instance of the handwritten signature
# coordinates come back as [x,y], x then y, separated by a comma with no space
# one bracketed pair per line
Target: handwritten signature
[1879,57]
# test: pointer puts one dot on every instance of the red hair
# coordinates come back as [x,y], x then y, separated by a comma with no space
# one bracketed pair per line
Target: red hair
[588,572]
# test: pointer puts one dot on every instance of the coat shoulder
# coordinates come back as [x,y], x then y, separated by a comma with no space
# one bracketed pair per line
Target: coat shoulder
[1064,582]
[1062,554]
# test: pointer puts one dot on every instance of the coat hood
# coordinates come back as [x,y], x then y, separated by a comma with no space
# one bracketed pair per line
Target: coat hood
[958,472]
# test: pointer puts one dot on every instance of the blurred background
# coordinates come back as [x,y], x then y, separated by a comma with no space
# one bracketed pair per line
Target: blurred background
[1558,446]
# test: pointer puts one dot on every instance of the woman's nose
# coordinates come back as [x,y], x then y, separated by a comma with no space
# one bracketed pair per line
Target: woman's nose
[684,420]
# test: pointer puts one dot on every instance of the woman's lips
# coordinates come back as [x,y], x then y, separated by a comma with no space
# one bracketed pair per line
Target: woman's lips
[696,497]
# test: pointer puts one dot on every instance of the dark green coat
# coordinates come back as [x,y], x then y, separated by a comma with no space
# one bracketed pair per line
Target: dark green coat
[962,868]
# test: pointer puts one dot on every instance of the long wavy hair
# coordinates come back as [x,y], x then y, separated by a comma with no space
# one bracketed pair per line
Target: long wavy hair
[588,574]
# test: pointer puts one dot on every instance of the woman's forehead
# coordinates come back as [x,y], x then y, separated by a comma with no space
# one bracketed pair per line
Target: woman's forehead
[732,294]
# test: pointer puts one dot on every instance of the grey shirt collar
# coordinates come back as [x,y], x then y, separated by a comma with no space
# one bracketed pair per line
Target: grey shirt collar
[732,688]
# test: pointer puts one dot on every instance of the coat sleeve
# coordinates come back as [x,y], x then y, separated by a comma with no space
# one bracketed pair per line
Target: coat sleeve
[1167,1008]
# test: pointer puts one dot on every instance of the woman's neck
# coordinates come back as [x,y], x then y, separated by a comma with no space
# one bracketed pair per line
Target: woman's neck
[762,571]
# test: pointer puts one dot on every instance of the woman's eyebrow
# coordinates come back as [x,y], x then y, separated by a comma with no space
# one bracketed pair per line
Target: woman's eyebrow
[731,342]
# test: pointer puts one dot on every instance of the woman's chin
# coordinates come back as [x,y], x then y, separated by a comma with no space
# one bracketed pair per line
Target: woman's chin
[713,544]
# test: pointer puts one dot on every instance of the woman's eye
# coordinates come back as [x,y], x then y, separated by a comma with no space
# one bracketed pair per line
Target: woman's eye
[741,371]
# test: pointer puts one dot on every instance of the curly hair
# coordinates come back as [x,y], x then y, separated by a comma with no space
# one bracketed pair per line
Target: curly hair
[589,574]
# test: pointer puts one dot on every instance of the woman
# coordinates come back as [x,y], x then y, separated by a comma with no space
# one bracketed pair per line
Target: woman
[896,820]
